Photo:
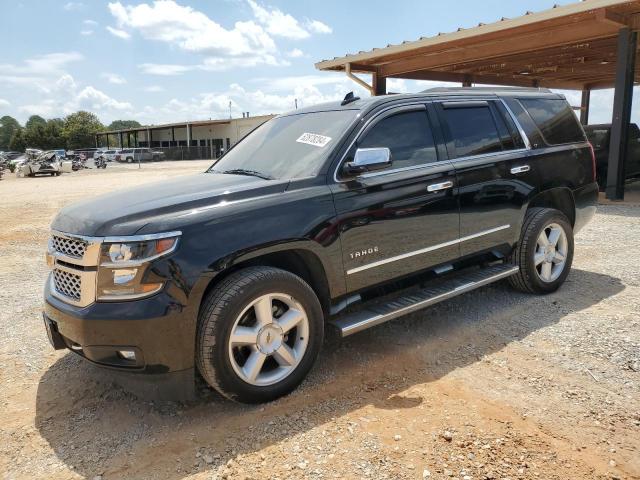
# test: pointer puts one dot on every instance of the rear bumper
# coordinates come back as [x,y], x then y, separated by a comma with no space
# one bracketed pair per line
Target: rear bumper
[586,202]
[158,332]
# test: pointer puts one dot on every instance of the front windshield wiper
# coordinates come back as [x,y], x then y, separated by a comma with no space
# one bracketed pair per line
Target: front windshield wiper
[251,173]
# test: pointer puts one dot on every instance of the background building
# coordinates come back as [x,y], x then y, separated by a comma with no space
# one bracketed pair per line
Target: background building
[186,140]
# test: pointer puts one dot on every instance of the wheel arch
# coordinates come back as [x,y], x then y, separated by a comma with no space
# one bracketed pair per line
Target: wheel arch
[560,198]
[295,259]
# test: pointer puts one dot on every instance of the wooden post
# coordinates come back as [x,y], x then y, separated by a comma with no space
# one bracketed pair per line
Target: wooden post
[625,68]
[584,106]
[379,85]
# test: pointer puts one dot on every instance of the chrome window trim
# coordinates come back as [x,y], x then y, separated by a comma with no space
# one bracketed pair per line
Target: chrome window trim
[527,143]
[426,250]
[406,169]
[448,161]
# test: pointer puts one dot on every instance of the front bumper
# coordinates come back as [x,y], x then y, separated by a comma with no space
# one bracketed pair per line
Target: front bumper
[159,332]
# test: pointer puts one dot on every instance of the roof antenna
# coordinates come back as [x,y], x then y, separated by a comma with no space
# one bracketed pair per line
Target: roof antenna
[349,98]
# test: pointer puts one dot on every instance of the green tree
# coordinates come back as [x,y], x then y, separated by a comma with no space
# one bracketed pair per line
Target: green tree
[34,132]
[123,124]
[80,128]
[8,125]
[35,120]
[52,135]
[17,142]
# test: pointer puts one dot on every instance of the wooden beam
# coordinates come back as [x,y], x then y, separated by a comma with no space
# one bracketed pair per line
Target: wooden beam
[613,18]
[518,44]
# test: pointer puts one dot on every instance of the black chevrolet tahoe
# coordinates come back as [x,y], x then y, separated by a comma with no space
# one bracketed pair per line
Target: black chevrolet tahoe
[347,214]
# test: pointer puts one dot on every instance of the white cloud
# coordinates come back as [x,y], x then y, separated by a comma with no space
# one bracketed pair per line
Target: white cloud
[248,43]
[35,73]
[118,33]
[73,6]
[164,69]
[90,23]
[86,33]
[4,103]
[278,23]
[316,26]
[153,89]
[114,78]
[295,53]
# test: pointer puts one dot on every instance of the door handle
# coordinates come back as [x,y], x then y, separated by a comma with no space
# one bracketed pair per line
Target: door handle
[521,169]
[436,187]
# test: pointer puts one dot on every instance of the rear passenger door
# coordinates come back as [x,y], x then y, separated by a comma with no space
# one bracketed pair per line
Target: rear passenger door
[404,219]
[494,175]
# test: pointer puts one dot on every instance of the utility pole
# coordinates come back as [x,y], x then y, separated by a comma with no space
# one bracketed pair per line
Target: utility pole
[296,101]
[229,109]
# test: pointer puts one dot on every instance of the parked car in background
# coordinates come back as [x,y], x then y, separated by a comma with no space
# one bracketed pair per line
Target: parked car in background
[108,155]
[599,136]
[131,155]
[47,163]
[82,153]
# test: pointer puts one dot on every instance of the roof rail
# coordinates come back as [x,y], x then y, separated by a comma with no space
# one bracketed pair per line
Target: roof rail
[486,89]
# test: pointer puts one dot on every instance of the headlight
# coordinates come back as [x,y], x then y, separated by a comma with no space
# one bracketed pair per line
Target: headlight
[124,262]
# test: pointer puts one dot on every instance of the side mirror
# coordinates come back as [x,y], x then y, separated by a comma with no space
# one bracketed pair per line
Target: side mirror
[368,160]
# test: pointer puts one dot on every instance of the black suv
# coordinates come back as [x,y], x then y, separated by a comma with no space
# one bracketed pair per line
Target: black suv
[350,213]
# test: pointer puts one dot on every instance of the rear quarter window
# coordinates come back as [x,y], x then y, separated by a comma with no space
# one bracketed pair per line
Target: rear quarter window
[555,120]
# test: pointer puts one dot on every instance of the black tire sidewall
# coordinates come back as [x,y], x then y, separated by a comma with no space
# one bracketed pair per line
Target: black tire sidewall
[224,378]
[548,217]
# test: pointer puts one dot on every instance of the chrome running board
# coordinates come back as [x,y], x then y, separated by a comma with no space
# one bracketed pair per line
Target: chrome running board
[380,312]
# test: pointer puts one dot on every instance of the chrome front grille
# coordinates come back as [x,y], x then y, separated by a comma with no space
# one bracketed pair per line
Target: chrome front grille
[68,284]
[74,260]
[71,247]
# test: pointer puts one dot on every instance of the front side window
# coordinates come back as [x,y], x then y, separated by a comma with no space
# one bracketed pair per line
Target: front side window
[473,130]
[408,136]
[555,120]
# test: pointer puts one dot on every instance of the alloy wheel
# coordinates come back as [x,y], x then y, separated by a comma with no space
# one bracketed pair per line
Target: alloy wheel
[552,248]
[268,339]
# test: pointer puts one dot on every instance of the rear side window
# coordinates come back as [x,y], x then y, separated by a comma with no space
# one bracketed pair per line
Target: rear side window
[473,130]
[555,120]
[408,136]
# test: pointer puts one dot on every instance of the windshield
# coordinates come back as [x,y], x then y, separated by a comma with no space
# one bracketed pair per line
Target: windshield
[294,146]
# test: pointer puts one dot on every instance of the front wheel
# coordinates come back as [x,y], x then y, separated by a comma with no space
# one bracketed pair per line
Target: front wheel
[259,333]
[544,252]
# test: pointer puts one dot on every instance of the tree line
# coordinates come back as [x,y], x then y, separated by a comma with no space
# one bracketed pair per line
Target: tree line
[74,131]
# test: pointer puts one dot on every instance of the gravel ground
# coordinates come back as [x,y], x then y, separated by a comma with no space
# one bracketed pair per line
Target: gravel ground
[492,385]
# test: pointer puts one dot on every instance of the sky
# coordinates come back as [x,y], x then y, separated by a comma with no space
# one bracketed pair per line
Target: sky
[171,61]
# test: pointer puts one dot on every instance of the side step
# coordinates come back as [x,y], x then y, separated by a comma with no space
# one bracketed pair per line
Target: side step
[444,289]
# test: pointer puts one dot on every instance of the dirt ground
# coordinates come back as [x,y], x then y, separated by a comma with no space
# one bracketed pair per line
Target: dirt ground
[491,385]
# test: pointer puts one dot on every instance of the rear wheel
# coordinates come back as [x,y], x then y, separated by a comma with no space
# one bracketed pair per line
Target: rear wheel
[259,333]
[129,160]
[544,252]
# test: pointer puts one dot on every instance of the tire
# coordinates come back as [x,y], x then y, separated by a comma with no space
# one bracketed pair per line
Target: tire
[155,158]
[229,308]
[129,160]
[551,271]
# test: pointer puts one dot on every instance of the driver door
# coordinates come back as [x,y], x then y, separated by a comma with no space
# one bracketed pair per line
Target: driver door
[403,219]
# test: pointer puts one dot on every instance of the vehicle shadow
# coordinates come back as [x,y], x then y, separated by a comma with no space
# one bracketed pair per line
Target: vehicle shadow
[96,428]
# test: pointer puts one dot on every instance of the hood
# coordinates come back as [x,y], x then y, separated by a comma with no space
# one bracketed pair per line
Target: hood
[124,212]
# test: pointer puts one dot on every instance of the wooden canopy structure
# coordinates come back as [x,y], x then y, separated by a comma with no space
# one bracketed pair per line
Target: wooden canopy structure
[581,46]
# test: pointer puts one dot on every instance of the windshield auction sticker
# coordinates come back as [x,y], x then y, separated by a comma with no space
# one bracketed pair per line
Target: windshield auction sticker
[314,139]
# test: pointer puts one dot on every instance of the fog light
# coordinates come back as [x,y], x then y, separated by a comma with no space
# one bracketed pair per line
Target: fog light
[127,354]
